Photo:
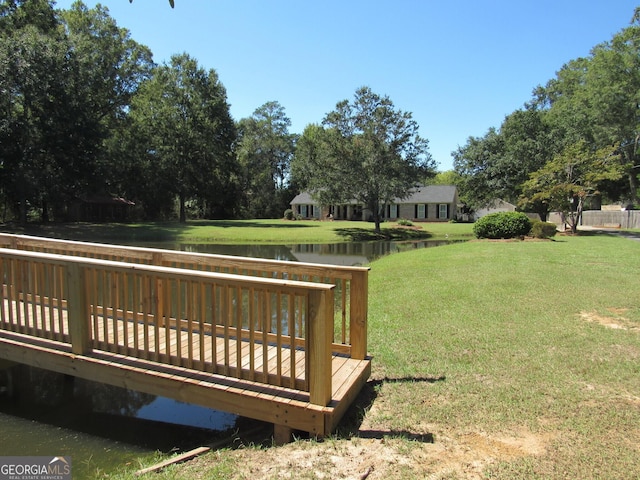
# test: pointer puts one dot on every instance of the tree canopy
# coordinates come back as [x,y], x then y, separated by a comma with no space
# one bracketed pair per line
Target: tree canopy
[86,111]
[565,182]
[367,151]
[592,101]
[183,113]
[265,150]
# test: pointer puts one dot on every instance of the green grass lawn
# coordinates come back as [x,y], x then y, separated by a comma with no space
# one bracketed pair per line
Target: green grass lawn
[497,338]
[244,231]
[507,359]
[492,359]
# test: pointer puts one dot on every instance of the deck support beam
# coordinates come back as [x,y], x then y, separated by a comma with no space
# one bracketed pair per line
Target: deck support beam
[282,434]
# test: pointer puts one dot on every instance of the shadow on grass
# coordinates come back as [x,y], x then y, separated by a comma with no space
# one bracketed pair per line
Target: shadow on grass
[350,426]
[396,234]
[608,232]
[100,232]
[249,223]
[132,232]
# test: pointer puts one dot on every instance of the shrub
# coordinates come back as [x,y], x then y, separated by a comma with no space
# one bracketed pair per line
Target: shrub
[543,229]
[405,222]
[502,225]
[288,214]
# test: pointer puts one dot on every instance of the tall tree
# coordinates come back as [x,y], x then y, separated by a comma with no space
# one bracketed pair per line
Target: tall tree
[495,166]
[109,68]
[265,150]
[369,152]
[475,164]
[68,84]
[566,181]
[184,115]
[596,98]
[33,73]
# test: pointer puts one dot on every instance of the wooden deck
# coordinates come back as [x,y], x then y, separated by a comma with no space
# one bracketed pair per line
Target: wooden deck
[281,406]
[257,347]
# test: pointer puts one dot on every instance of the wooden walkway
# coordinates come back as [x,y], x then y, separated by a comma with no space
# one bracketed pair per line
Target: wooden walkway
[257,347]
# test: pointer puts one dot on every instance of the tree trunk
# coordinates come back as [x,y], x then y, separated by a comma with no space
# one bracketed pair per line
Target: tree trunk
[183,211]
[633,186]
[45,212]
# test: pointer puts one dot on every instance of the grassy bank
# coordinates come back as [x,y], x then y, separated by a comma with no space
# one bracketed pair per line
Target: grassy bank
[243,231]
[492,360]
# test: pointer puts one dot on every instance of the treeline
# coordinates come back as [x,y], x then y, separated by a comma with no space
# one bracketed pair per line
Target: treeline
[87,114]
[576,140]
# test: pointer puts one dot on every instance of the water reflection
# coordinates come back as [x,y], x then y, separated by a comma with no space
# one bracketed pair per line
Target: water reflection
[346,254]
[100,426]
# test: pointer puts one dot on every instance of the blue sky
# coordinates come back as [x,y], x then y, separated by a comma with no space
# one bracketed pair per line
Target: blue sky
[459,66]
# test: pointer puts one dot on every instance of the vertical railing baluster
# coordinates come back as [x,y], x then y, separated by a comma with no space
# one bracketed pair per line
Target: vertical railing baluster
[252,333]
[202,297]
[115,295]
[291,317]
[126,285]
[189,319]
[265,331]
[226,312]
[178,330]
[136,308]
[279,337]
[239,314]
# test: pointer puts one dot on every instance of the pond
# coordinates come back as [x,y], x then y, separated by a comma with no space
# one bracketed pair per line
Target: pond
[102,428]
[352,253]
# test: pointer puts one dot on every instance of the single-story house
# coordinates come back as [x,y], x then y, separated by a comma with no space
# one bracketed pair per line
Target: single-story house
[496,206]
[432,203]
[100,208]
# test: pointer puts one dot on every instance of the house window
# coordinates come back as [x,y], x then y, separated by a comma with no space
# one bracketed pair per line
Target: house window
[443,210]
[421,211]
[303,211]
[393,211]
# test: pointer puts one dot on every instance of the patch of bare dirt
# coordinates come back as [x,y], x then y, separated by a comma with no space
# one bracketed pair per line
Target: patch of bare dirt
[616,321]
[388,455]
[407,227]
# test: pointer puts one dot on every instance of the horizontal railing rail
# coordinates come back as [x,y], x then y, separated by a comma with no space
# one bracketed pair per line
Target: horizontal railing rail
[351,292]
[267,330]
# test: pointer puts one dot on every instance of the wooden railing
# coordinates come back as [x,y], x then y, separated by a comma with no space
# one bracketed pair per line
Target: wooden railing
[351,292]
[268,330]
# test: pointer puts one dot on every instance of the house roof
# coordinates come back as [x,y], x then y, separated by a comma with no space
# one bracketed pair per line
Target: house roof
[431,194]
[303,198]
[422,194]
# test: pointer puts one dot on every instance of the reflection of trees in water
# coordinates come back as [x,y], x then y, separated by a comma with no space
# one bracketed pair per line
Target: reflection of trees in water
[358,252]
[113,400]
[276,252]
[30,385]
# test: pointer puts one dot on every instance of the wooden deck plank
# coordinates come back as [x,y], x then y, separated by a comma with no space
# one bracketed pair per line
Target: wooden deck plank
[282,405]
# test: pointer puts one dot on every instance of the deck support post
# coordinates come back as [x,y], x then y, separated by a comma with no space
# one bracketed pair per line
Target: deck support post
[319,338]
[78,310]
[358,315]
[282,434]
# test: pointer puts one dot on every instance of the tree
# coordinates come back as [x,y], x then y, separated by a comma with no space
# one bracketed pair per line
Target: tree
[33,75]
[495,166]
[69,77]
[183,114]
[367,151]
[570,177]
[109,68]
[474,163]
[596,99]
[265,150]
